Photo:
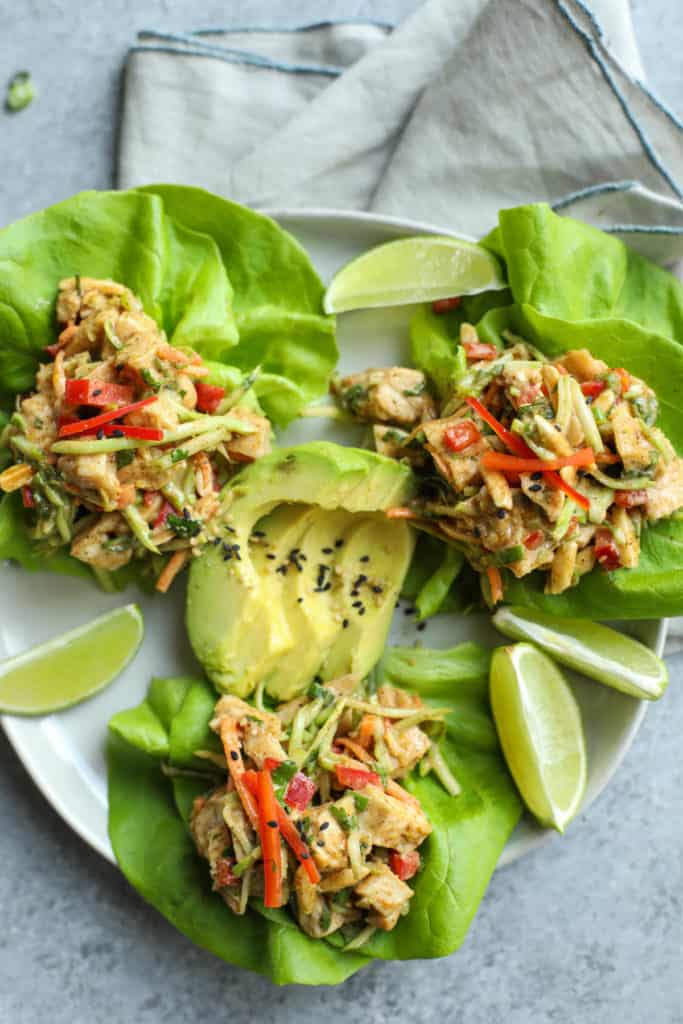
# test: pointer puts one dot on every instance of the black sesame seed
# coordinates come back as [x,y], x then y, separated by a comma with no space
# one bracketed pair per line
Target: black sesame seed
[270,556]
[409,611]
[258,533]
[377,589]
[282,569]
[319,842]
[357,604]
[299,600]
[271,824]
[501,513]
[216,541]
[354,592]
[345,624]
[328,551]
[537,475]
[186,513]
[117,433]
[365,558]
[422,627]
[100,434]
[234,756]
[227,556]
[97,391]
[231,529]
[476,531]
[317,679]
[305,856]
[339,543]
[324,825]
[361,611]
[535,487]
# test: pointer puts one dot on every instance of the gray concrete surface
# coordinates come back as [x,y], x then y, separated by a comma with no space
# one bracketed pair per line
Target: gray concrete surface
[586,930]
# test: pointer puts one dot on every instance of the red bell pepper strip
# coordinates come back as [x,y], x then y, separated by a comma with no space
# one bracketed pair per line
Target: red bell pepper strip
[356,778]
[501,461]
[164,512]
[135,433]
[532,541]
[606,551]
[629,499]
[479,350]
[288,832]
[95,422]
[593,388]
[441,306]
[300,791]
[404,865]
[27,499]
[97,392]
[495,583]
[510,440]
[461,435]
[270,840]
[209,396]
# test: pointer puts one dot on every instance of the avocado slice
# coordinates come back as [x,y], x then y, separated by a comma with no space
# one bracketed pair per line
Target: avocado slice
[238,618]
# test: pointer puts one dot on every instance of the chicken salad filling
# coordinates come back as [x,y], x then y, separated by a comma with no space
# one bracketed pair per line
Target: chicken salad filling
[120,450]
[312,815]
[528,463]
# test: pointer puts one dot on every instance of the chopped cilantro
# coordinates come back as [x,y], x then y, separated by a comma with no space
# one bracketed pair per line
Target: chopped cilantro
[150,380]
[20,92]
[360,801]
[184,527]
[124,458]
[178,455]
[347,821]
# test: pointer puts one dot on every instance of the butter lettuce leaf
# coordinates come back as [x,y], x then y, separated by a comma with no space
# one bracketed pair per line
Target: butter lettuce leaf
[148,825]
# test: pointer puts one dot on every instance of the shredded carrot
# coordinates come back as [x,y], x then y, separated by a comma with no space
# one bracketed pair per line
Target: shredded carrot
[366,731]
[399,793]
[501,461]
[175,355]
[288,831]
[401,512]
[495,583]
[270,841]
[233,755]
[67,334]
[171,570]
[354,747]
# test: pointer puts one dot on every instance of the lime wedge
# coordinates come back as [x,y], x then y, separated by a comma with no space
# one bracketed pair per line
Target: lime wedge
[539,726]
[70,667]
[419,269]
[599,652]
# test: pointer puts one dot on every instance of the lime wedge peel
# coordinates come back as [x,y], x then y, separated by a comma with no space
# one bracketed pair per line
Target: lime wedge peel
[540,731]
[597,651]
[419,269]
[69,668]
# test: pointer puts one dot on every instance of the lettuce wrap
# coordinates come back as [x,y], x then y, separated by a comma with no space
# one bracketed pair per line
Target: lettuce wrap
[572,286]
[149,811]
[216,276]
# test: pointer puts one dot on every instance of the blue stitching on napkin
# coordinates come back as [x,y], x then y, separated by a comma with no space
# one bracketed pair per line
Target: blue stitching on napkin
[607,74]
[194,48]
[593,190]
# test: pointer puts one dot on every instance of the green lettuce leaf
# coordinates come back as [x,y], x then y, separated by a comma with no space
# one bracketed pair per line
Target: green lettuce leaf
[148,830]
[573,286]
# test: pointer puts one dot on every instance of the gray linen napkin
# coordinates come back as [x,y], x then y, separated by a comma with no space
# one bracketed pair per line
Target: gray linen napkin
[466,107]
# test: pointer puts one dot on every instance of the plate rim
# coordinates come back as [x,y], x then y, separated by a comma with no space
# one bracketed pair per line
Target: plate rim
[52,795]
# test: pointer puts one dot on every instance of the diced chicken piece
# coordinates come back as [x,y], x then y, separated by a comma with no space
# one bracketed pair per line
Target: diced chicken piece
[315,916]
[582,365]
[407,748]
[39,414]
[146,472]
[498,488]
[383,893]
[207,825]
[389,441]
[325,829]
[93,477]
[633,446]
[585,561]
[260,730]
[162,414]
[187,392]
[667,495]
[393,823]
[342,879]
[140,339]
[562,568]
[626,538]
[243,836]
[393,394]
[551,375]
[86,296]
[604,402]
[575,434]
[247,447]
[551,436]
[546,497]
[89,545]
[524,385]
[460,469]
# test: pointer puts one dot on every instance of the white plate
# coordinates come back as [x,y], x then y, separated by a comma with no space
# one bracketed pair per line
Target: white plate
[65,753]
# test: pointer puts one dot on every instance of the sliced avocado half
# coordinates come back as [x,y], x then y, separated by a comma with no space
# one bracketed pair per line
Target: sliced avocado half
[244,618]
